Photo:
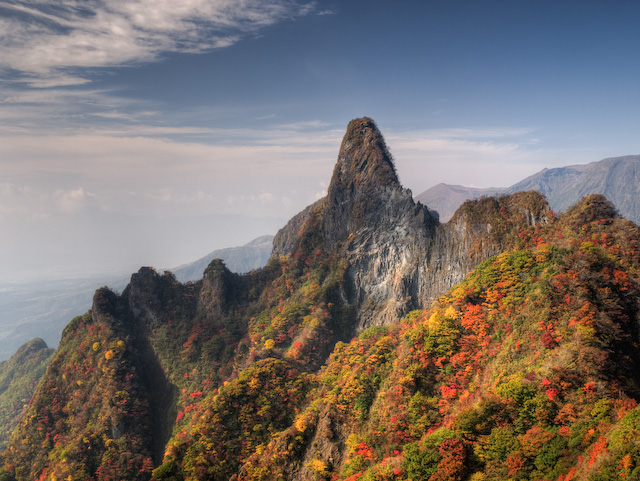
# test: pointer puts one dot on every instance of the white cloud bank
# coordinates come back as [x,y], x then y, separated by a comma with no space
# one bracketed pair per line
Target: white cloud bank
[50,42]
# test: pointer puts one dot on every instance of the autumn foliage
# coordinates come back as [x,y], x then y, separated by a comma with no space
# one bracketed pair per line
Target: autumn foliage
[527,370]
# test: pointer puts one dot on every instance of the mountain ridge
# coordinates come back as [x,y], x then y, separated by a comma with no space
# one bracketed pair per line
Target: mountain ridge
[615,177]
[377,343]
[43,308]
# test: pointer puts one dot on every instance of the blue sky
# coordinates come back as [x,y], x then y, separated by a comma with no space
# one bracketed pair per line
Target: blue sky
[151,132]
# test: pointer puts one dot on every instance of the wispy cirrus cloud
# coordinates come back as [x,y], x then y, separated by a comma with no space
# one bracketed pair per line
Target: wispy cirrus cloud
[50,43]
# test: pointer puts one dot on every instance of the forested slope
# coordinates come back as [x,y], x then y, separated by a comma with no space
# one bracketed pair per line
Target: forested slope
[376,344]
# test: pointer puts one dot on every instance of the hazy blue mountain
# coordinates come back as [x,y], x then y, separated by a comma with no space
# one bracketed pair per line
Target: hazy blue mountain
[252,255]
[446,199]
[617,178]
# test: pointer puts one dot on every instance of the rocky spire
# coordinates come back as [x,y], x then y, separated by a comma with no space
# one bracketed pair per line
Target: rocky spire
[376,224]
[363,182]
[399,256]
[364,161]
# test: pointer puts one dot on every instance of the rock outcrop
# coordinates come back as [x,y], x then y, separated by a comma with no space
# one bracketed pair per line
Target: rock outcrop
[375,220]
[219,289]
[400,257]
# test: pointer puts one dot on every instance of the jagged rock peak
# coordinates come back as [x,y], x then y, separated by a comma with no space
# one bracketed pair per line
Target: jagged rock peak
[105,301]
[365,192]
[376,224]
[364,159]
[220,288]
[144,294]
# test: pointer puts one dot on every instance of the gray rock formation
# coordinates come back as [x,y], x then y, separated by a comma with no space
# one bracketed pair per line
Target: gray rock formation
[383,232]
[219,287]
[400,257]
[144,296]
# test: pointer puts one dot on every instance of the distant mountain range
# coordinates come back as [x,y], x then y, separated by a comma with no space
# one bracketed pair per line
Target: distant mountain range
[445,199]
[617,178]
[242,259]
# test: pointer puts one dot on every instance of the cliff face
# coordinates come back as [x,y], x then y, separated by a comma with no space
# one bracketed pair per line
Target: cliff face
[480,229]
[400,257]
[375,223]
[364,193]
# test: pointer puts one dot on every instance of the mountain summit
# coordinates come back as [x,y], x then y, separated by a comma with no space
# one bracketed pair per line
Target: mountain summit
[364,180]
[376,222]
[364,159]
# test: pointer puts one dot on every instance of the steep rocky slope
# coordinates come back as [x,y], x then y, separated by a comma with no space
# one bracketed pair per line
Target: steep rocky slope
[400,257]
[528,364]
